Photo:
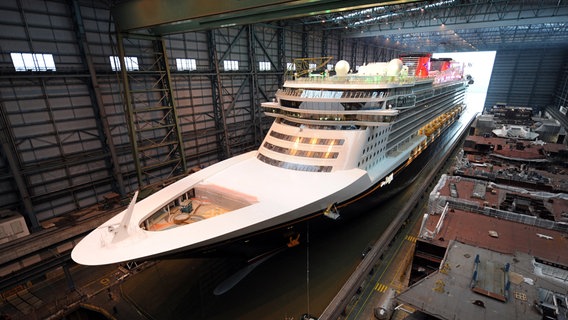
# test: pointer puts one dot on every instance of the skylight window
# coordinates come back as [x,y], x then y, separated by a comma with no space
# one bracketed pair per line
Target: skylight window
[130,62]
[33,61]
[186,64]
[230,65]
[264,66]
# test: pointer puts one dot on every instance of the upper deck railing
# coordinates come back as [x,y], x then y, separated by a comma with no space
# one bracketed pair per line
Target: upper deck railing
[313,72]
[352,80]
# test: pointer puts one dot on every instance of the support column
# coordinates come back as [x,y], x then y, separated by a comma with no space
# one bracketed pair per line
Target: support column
[365,54]
[157,145]
[254,89]
[96,98]
[129,112]
[281,53]
[305,44]
[325,35]
[340,44]
[353,62]
[68,277]
[7,146]
[224,150]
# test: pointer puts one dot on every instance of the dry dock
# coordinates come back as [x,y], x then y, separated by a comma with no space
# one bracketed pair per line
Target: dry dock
[359,295]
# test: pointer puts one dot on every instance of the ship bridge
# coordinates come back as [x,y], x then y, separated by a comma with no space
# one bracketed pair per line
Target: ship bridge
[372,117]
[327,146]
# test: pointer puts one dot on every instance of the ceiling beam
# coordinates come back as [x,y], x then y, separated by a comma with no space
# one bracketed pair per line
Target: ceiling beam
[396,29]
[162,17]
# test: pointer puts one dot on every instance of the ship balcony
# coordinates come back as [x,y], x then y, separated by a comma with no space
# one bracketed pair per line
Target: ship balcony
[331,117]
[311,148]
[332,96]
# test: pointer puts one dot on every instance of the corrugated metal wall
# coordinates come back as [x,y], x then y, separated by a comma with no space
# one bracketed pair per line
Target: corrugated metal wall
[526,78]
[64,141]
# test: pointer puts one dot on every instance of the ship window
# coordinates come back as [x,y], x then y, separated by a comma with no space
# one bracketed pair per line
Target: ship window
[290,104]
[307,140]
[293,166]
[352,105]
[320,127]
[301,153]
[327,117]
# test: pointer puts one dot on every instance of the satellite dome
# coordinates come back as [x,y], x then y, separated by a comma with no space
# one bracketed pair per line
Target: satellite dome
[394,67]
[342,68]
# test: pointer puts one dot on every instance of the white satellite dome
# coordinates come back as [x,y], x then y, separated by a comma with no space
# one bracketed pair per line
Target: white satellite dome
[341,68]
[393,67]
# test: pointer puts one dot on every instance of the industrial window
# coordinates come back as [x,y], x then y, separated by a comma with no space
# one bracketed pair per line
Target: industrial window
[312,66]
[290,66]
[130,62]
[33,61]
[264,66]
[186,64]
[230,65]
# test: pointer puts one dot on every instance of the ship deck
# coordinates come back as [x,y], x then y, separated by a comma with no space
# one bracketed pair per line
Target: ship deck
[499,246]
[510,148]
[448,293]
[512,162]
[246,196]
[356,82]
[203,209]
[507,237]
[202,202]
[531,203]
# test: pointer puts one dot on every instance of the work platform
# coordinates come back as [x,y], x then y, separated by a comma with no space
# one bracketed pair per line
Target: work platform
[449,292]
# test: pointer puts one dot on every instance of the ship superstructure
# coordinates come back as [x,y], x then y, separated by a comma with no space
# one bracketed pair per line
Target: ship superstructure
[334,140]
[371,120]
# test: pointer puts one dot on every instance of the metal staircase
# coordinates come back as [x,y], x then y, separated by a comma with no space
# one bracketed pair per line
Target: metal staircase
[157,145]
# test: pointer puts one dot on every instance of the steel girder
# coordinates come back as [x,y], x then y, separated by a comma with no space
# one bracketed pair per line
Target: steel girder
[97,100]
[239,126]
[224,150]
[173,16]
[457,25]
[155,136]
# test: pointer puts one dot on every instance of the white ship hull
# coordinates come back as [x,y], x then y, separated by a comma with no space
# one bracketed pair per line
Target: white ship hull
[285,197]
[311,159]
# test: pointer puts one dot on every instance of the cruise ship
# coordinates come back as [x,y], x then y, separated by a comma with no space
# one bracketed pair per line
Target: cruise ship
[335,140]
